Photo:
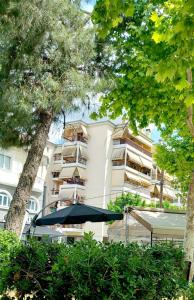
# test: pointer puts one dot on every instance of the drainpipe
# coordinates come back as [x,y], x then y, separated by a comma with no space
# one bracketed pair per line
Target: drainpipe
[44,199]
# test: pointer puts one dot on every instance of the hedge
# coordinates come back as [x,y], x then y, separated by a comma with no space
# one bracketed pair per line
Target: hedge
[92,270]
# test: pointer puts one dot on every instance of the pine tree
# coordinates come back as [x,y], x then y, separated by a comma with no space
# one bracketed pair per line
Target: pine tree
[46,62]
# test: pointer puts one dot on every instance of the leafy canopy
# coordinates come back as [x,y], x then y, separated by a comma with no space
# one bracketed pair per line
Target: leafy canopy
[176,156]
[152,50]
[46,61]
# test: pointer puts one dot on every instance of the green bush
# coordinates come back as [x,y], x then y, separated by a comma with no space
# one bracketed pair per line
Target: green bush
[97,271]
[8,244]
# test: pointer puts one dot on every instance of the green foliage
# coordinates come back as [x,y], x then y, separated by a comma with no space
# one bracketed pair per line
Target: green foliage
[151,52]
[8,244]
[46,62]
[110,14]
[129,199]
[124,200]
[92,270]
[176,156]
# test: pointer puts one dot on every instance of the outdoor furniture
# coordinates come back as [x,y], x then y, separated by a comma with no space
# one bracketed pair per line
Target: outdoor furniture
[77,214]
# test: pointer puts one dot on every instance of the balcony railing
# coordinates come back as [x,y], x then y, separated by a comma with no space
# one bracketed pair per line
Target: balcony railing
[137,188]
[118,163]
[75,181]
[136,146]
[73,160]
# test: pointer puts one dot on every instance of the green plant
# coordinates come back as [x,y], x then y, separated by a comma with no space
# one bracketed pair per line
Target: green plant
[124,200]
[8,245]
[97,271]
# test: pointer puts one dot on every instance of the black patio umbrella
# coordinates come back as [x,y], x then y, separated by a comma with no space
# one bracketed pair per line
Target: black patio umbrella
[77,214]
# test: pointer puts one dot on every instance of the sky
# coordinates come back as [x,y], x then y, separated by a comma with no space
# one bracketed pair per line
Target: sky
[88,4]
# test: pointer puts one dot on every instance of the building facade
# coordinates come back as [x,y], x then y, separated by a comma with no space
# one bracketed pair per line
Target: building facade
[11,165]
[100,161]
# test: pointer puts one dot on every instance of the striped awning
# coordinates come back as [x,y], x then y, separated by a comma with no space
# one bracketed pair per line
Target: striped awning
[118,154]
[170,193]
[69,151]
[84,130]
[83,152]
[82,172]
[140,160]
[146,163]
[134,157]
[67,172]
[56,168]
[58,150]
[137,178]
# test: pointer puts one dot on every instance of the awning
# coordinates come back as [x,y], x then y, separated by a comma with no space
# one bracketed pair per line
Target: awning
[70,192]
[82,172]
[83,152]
[169,192]
[67,193]
[117,134]
[58,150]
[153,188]
[137,178]
[146,163]
[67,172]
[163,223]
[120,133]
[118,154]
[134,157]
[84,130]
[69,151]
[56,168]
[68,132]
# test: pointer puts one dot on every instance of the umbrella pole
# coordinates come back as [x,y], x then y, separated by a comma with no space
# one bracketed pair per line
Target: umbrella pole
[33,222]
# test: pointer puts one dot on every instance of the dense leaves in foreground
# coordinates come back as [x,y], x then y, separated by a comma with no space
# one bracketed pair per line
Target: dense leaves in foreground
[92,270]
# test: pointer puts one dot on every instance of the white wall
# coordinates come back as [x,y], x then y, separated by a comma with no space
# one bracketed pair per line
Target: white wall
[98,173]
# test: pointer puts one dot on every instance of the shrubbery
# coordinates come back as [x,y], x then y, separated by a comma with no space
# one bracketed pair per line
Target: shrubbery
[8,244]
[92,270]
[129,199]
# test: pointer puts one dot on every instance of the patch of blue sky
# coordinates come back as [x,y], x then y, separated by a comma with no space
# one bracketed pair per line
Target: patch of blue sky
[88,5]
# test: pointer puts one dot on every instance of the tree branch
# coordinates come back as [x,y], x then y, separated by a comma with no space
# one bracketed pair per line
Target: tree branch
[190,108]
[190,120]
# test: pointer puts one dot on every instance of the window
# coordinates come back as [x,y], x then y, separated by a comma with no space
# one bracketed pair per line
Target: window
[5,162]
[4,199]
[32,205]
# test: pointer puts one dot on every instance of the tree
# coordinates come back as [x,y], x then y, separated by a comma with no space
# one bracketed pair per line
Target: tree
[176,156]
[124,200]
[152,64]
[46,62]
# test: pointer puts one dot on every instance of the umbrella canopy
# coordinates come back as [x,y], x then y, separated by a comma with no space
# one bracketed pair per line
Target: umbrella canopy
[77,214]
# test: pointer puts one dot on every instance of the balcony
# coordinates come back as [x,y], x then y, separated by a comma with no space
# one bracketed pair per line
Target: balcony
[141,170]
[132,144]
[71,191]
[76,133]
[123,175]
[137,189]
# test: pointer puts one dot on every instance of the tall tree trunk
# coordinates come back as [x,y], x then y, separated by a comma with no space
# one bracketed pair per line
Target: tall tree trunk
[16,213]
[189,233]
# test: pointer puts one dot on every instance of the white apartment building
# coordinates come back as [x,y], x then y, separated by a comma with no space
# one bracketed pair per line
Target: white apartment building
[11,165]
[99,161]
